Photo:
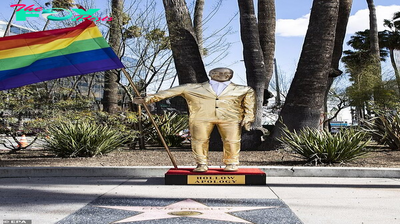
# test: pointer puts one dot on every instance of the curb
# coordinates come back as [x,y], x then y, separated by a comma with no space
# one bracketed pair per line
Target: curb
[159,171]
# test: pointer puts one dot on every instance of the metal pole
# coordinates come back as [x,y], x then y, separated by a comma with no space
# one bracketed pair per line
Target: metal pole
[151,119]
[278,92]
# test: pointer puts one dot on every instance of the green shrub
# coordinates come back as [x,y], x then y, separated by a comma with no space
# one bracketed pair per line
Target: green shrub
[124,122]
[174,140]
[323,147]
[83,139]
[170,124]
[386,129]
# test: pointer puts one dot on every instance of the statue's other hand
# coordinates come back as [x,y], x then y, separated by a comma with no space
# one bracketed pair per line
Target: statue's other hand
[246,125]
[138,100]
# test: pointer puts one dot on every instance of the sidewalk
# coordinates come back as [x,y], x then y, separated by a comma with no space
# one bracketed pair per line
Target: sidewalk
[309,200]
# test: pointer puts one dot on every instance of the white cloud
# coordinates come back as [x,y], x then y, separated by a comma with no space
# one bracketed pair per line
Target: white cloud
[292,27]
[360,20]
[357,22]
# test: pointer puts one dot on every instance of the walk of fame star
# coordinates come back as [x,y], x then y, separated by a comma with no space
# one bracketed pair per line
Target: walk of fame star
[188,208]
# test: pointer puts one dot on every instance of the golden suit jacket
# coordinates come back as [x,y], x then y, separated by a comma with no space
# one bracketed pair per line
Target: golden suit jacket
[234,104]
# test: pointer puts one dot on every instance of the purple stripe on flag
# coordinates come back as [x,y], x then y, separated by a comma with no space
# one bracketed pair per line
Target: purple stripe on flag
[60,72]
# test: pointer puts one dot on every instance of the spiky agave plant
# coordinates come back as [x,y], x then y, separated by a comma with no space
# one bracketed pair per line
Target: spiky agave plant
[83,139]
[386,128]
[170,124]
[323,147]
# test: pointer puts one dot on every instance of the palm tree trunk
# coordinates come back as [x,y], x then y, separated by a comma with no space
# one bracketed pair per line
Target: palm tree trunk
[343,18]
[111,77]
[253,56]
[396,70]
[266,28]
[305,100]
[374,48]
[373,28]
[185,49]
[198,24]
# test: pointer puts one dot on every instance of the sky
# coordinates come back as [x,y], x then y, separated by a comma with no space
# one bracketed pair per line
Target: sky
[291,26]
[292,21]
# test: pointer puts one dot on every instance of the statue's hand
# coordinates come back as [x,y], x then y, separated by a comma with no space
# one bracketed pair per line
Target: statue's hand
[138,100]
[246,125]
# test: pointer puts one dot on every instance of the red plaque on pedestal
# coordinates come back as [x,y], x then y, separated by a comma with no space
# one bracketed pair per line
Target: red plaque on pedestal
[215,176]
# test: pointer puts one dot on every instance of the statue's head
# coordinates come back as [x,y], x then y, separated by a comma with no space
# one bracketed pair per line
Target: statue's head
[221,74]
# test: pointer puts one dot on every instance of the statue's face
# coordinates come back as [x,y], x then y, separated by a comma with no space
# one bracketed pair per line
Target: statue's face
[221,75]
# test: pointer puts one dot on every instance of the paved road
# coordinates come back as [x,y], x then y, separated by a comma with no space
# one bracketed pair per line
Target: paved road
[309,200]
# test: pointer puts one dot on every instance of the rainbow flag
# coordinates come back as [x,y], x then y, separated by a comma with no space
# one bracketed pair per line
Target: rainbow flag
[41,56]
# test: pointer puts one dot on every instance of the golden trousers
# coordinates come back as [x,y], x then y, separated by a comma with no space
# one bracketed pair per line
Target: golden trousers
[200,137]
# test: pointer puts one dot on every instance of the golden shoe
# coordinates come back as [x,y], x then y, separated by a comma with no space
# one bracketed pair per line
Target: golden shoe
[201,168]
[231,168]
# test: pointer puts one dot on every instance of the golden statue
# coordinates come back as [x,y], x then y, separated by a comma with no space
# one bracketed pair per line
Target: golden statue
[217,102]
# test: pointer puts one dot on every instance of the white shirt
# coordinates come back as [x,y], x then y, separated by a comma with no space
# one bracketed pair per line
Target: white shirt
[218,87]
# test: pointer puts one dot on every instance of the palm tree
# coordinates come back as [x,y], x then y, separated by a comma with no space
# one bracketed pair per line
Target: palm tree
[304,103]
[343,18]
[255,40]
[111,77]
[266,30]
[359,64]
[391,41]
[198,23]
[185,49]
[374,48]
[373,29]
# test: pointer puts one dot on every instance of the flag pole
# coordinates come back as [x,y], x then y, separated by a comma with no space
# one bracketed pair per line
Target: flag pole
[151,118]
